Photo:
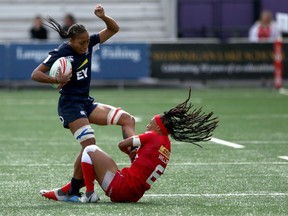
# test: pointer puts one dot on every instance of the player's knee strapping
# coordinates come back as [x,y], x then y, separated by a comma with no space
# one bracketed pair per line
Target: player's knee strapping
[84,133]
[85,157]
[114,115]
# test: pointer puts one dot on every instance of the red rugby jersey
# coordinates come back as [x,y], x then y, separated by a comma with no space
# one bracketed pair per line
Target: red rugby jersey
[150,162]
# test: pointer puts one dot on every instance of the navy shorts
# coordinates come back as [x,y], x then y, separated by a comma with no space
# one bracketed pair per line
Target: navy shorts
[71,108]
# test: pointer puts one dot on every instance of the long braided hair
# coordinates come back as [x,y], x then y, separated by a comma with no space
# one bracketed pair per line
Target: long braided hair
[186,125]
[73,31]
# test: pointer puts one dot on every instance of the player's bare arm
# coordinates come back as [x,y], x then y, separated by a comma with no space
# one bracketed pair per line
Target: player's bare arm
[127,144]
[40,75]
[111,25]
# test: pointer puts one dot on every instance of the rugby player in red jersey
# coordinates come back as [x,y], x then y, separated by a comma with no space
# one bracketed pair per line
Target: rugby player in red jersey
[150,158]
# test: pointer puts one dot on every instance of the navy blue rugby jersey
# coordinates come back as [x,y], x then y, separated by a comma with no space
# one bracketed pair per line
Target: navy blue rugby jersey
[81,66]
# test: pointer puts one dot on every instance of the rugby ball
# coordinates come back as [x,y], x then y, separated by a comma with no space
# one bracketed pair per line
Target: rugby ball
[62,64]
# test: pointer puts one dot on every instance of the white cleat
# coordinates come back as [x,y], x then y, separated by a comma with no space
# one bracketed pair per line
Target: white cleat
[93,198]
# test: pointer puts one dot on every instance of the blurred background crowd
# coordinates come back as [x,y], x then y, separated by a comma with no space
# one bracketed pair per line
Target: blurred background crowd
[224,20]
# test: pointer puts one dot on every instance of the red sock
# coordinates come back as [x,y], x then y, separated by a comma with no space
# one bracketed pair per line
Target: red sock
[66,187]
[89,177]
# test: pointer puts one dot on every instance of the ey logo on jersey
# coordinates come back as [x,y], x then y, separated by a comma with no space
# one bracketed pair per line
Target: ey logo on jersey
[82,74]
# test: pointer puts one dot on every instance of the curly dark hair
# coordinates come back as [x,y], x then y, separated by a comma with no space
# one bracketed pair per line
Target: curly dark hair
[188,125]
[73,31]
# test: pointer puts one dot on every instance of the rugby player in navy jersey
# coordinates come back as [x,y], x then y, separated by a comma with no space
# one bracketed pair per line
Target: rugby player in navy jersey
[76,108]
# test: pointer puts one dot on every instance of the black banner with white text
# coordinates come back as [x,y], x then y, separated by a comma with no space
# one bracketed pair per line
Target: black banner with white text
[214,61]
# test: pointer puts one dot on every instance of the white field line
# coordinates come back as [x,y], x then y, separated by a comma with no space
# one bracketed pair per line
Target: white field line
[283,157]
[216,195]
[226,143]
[170,164]
[138,119]
[257,116]
[263,142]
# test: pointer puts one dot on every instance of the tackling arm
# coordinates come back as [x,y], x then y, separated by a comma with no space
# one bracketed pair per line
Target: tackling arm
[126,145]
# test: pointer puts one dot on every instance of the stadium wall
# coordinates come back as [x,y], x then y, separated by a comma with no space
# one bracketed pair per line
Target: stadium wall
[118,62]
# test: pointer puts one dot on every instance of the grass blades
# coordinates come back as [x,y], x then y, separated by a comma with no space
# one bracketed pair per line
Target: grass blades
[37,153]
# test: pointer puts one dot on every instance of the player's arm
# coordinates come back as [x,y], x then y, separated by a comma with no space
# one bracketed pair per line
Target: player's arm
[111,25]
[39,75]
[126,145]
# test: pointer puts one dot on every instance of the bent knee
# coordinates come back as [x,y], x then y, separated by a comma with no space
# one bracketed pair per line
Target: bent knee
[85,155]
[126,119]
[117,116]
[91,148]
[85,143]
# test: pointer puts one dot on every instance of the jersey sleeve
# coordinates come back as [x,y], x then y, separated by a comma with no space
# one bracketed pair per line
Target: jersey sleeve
[94,39]
[146,137]
[51,58]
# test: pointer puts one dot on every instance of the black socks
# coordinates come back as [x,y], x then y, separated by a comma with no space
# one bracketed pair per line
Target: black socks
[75,187]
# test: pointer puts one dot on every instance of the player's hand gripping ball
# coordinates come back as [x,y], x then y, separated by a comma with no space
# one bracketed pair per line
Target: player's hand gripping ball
[62,65]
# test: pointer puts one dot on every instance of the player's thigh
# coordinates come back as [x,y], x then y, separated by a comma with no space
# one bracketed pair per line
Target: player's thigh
[102,163]
[100,113]
[105,114]
[78,123]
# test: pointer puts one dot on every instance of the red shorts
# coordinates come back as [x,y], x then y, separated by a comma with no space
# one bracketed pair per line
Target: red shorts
[121,189]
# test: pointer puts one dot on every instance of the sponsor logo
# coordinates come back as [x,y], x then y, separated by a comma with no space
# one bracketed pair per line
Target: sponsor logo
[82,74]
[121,53]
[30,54]
[70,58]
[61,119]
[164,151]
[84,63]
